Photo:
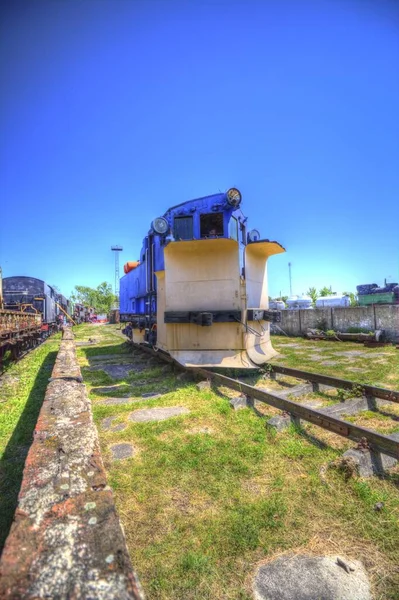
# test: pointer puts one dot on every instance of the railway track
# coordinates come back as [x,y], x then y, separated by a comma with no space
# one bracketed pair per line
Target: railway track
[366,438]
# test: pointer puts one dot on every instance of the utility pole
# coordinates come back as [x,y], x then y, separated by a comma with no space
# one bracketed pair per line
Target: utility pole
[116,250]
[289,271]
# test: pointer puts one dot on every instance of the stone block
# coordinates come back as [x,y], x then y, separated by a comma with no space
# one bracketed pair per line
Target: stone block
[240,402]
[280,422]
[204,385]
[116,371]
[297,390]
[66,365]
[349,407]
[122,451]
[67,334]
[157,414]
[76,551]
[312,578]
[371,463]
[117,401]
[108,424]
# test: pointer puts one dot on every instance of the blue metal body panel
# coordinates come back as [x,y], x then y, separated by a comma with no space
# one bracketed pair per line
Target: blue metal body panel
[138,287]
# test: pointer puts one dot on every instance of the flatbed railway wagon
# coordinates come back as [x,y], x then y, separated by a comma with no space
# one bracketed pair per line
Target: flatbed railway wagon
[19,331]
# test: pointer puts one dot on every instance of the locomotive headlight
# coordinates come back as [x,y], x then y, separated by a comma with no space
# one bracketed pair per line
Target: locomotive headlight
[160,225]
[234,197]
[254,235]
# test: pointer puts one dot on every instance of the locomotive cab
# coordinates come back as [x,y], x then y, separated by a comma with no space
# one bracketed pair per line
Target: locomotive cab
[199,292]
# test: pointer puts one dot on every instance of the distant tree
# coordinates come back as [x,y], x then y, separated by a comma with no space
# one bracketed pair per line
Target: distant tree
[352,296]
[312,292]
[100,298]
[326,291]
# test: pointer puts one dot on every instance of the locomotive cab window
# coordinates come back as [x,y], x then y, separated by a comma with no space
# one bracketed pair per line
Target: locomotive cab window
[183,228]
[233,228]
[211,225]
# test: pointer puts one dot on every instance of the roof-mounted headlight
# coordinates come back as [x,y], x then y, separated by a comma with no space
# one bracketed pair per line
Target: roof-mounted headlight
[160,225]
[234,197]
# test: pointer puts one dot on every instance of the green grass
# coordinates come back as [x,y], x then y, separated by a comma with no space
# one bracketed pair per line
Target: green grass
[22,392]
[209,494]
[375,369]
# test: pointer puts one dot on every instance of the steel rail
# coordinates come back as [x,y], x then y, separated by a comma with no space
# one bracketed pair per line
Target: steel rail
[377,441]
[368,390]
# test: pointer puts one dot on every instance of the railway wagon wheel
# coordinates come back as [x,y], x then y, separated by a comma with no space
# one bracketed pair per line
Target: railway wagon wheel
[16,349]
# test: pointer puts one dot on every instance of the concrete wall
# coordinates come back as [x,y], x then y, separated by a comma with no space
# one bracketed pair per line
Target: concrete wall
[358,316]
[311,318]
[386,317]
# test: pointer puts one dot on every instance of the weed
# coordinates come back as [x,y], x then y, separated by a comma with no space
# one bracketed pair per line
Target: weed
[195,562]
[358,330]
[322,324]
[267,369]
[356,391]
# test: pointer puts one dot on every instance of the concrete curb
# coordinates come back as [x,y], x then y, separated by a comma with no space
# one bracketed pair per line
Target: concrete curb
[66,541]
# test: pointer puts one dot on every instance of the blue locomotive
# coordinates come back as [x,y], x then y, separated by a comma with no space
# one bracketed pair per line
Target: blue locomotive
[199,289]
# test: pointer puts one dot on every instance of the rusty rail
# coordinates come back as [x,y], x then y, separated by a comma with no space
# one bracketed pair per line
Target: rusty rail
[377,441]
[368,390]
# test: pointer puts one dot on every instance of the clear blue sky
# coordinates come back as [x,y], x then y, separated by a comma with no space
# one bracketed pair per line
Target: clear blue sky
[114,110]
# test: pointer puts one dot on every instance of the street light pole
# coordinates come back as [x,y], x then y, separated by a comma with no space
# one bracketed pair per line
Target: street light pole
[116,250]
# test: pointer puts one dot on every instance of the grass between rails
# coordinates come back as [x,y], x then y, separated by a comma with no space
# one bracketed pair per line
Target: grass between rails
[22,390]
[375,366]
[210,494]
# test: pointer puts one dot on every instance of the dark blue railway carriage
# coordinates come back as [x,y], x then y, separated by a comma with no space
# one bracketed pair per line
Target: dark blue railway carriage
[30,295]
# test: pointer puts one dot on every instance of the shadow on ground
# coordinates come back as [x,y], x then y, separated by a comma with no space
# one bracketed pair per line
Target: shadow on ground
[13,461]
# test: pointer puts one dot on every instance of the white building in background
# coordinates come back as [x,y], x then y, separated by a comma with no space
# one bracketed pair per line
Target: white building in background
[299,302]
